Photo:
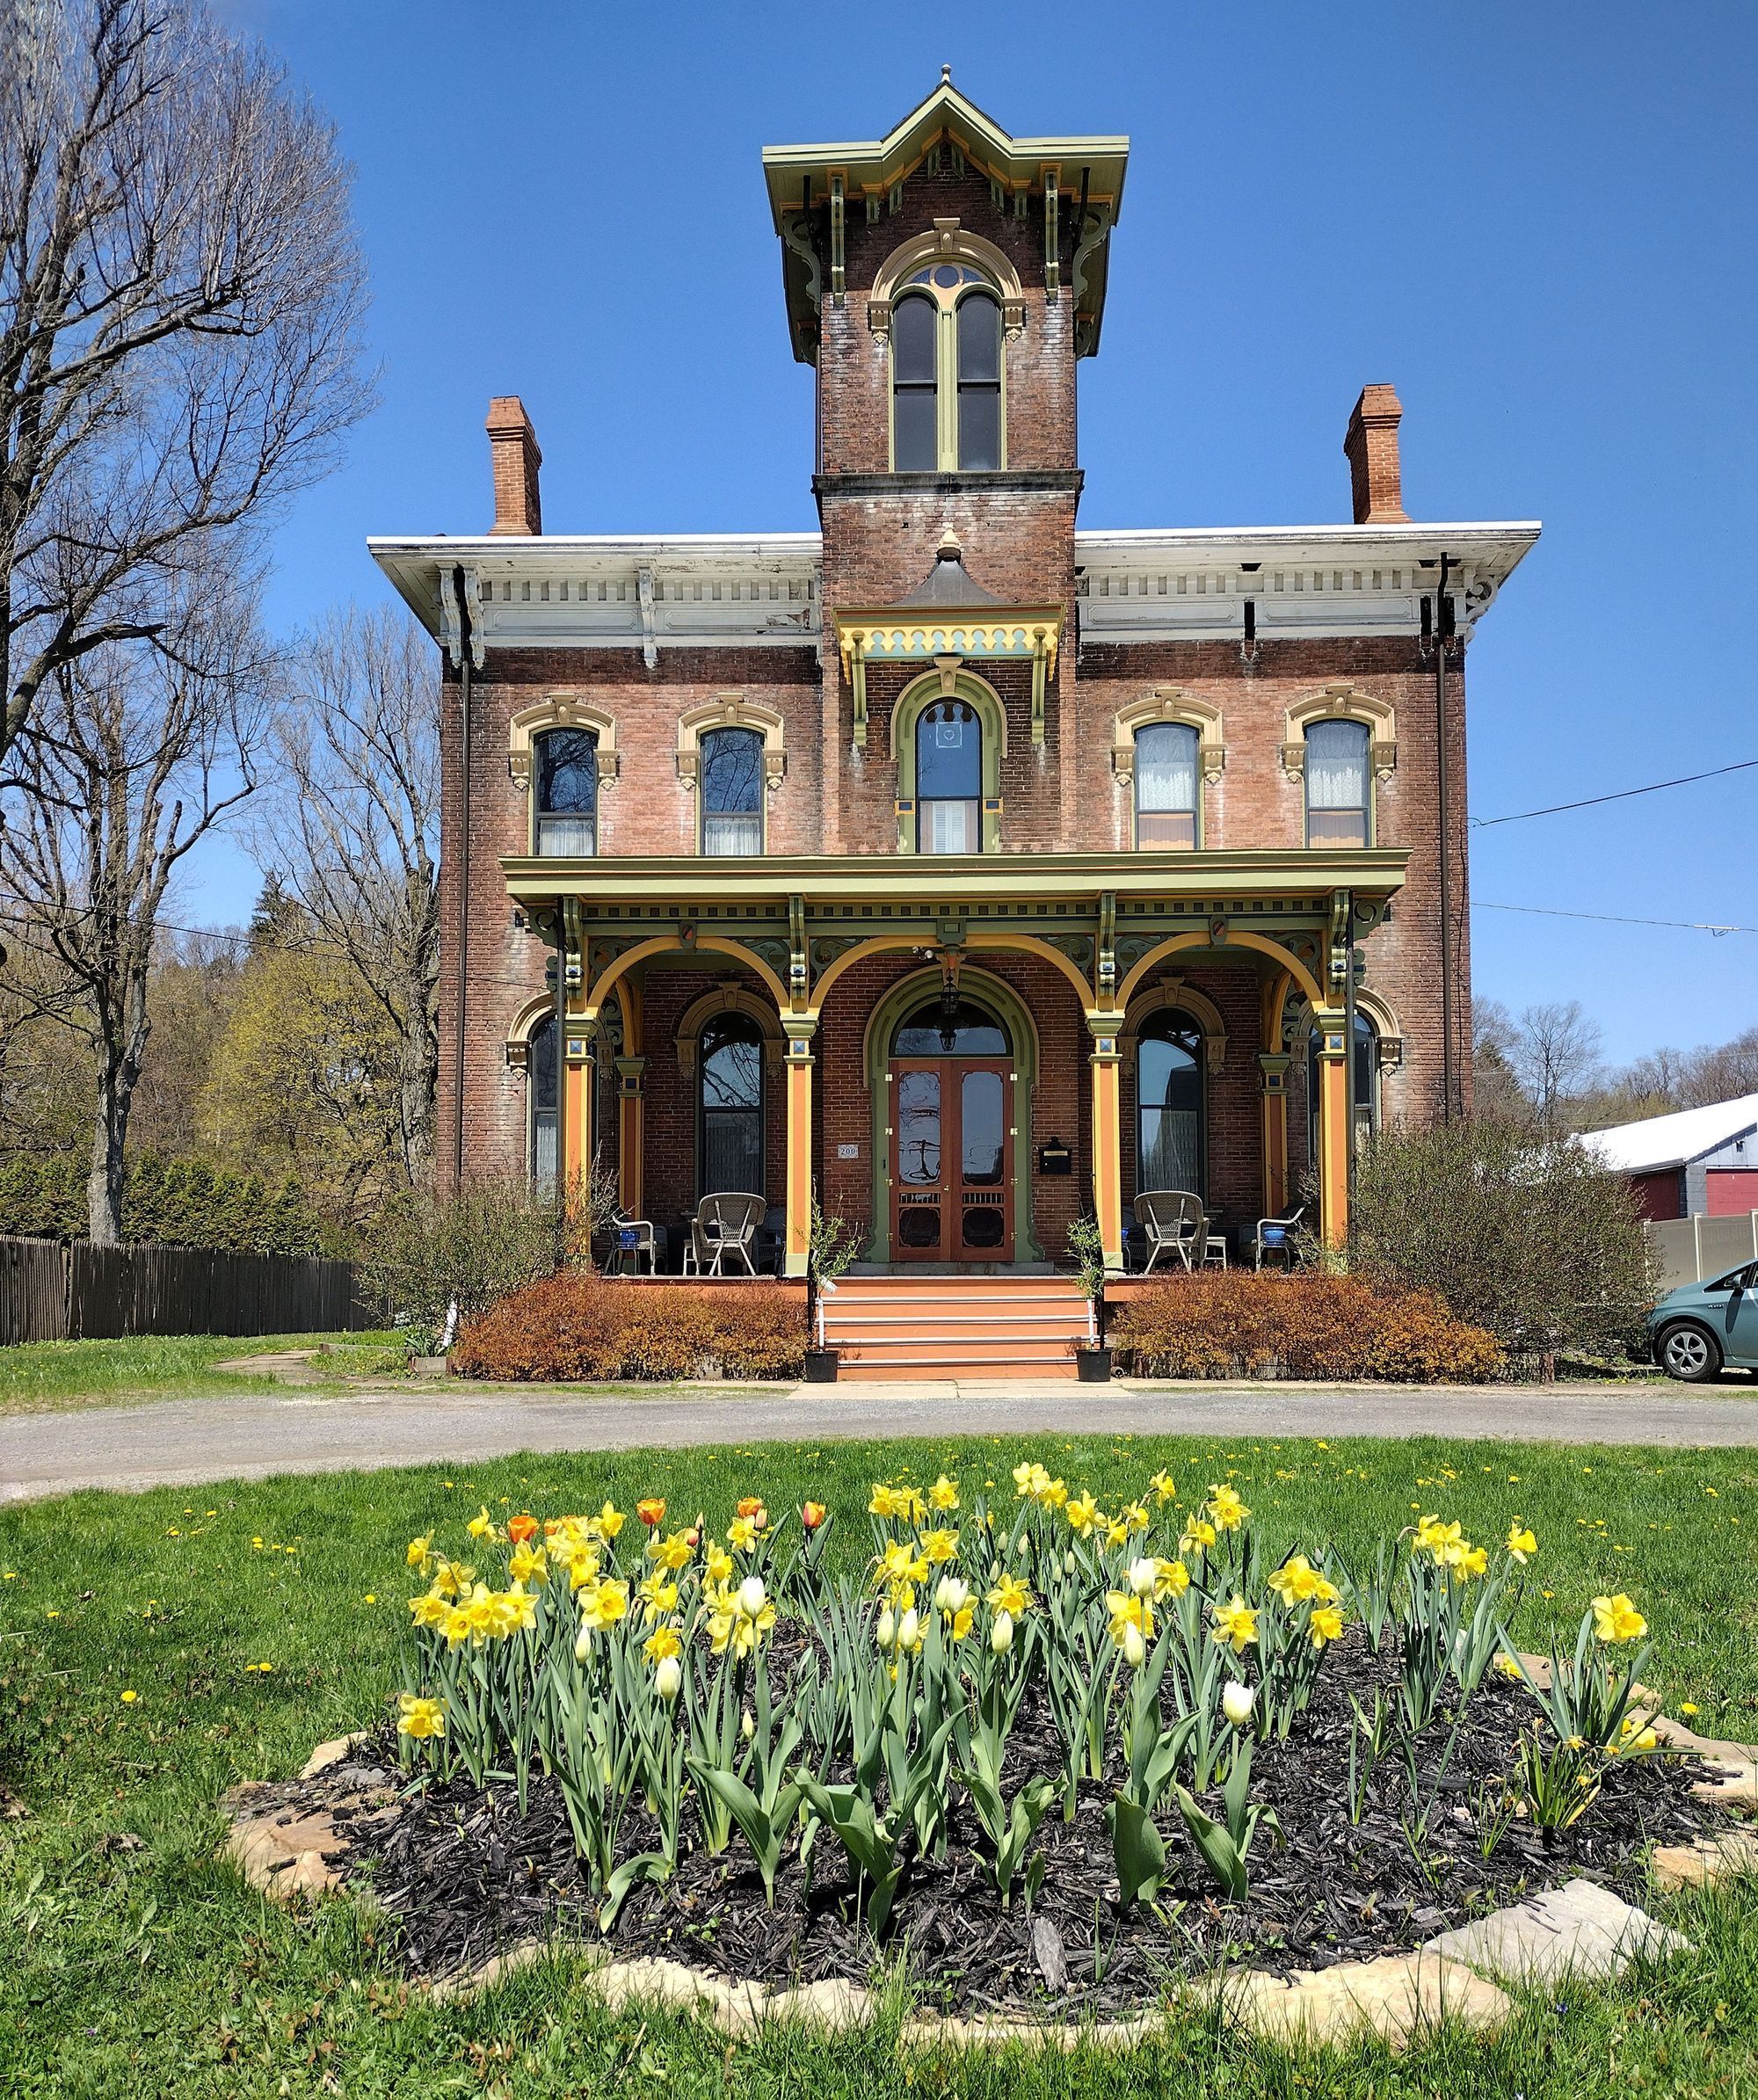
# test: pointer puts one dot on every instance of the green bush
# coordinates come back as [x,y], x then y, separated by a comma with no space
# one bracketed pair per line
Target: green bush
[581,1326]
[167,1202]
[1234,1323]
[1526,1235]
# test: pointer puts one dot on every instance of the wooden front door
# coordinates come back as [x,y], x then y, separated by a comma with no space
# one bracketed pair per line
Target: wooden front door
[952,1197]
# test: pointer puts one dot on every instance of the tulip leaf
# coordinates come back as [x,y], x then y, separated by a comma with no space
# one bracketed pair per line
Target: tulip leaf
[1139,1850]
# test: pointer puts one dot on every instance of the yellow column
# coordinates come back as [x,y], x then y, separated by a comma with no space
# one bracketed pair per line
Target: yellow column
[1107,1138]
[1273,1073]
[631,1131]
[797,1242]
[1333,1129]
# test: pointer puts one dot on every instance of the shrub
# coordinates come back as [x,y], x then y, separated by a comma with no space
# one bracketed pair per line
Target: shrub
[1233,1323]
[426,1253]
[581,1326]
[165,1203]
[1528,1236]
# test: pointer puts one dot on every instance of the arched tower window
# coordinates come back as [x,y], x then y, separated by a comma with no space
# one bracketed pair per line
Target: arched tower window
[732,791]
[731,1108]
[567,800]
[543,1092]
[1167,791]
[1337,812]
[946,408]
[1169,1107]
[948,779]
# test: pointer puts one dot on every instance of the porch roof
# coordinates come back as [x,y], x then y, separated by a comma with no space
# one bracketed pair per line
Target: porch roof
[1298,878]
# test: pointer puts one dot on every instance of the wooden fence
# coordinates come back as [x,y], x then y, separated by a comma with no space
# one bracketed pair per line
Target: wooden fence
[54,1292]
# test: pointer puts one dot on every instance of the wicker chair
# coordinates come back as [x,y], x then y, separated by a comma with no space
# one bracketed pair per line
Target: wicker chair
[723,1225]
[1173,1220]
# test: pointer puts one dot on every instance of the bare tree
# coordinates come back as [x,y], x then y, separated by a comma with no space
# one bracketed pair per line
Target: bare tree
[352,830]
[180,298]
[131,757]
[1495,1087]
[1555,1055]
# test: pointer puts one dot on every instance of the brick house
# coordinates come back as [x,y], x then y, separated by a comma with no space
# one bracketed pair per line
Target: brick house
[967,868]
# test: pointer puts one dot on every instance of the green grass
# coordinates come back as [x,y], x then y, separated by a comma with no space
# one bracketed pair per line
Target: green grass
[140,1971]
[37,1376]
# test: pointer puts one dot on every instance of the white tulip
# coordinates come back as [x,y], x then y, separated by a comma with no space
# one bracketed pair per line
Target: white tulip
[1144,1574]
[1235,1702]
[582,1644]
[747,1727]
[1068,1563]
[1134,1648]
[751,1595]
[886,1631]
[953,1594]
[1001,1633]
[910,1629]
[668,1678]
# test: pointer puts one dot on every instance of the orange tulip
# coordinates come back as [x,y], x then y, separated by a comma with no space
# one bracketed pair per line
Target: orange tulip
[813,1514]
[651,1511]
[521,1528]
[750,1506]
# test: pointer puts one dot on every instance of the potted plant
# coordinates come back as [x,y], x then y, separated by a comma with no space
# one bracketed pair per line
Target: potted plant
[1092,1357]
[834,1245]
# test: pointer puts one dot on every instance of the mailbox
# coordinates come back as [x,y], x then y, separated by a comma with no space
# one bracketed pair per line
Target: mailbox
[1055,1158]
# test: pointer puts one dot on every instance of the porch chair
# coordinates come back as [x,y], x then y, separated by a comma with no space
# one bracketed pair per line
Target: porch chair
[1175,1223]
[723,1224]
[632,1238]
[1275,1236]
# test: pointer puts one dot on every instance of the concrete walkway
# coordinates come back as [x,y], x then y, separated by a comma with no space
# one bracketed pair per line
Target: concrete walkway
[181,1442]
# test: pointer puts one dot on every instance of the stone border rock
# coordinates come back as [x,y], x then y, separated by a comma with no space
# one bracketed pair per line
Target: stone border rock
[1581,1929]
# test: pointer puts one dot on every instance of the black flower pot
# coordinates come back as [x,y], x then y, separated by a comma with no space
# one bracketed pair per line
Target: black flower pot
[1095,1366]
[820,1367]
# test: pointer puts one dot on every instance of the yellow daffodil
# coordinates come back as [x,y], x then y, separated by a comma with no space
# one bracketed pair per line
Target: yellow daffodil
[1082,1512]
[453,1578]
[481,1524]
[608,1521]
[943,1494]
[657,1597]
[1031,1479]
[1055,1495]
[1520,1544]
[1116,1532]
[419,1717]
[1325,1625]
[741,1534]
[529,1564]
[1163,1486]
[604,1605]
[1131,1624]
[673,1552]
[1473,1561]
[1236,1624]
[1226,1511]
[1198,1534]
[1508,1667]
[1172,1579]
[428,1610]
[662,1642]
[420,1552]
[939,1547]
[1010,1595]
[716,1564]
[1616,1619]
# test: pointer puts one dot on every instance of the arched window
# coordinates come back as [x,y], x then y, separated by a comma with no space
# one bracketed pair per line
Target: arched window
[567,774]
[732,1107]
[1365,1083]
[948,779]
[1337,807]
[543,1092]
[915,438]
[732,791]
[946,372]
[950,1029]
[979,381]
[1167,777]
[1169,1110]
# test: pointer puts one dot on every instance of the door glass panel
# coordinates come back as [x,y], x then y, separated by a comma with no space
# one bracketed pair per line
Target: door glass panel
[985,1225]
[982,1133]
[918,1148]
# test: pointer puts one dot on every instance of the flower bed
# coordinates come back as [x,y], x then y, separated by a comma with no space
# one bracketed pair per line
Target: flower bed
[1238,1323]
[582,1325]
[1045,1748]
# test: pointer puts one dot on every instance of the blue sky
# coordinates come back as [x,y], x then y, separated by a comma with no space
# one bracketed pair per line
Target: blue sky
[1535,221]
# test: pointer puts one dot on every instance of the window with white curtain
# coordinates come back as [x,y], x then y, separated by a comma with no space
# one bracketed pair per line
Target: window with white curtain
[948,779]
[567,793]
[1167,755]
[1337,809]
[732,791]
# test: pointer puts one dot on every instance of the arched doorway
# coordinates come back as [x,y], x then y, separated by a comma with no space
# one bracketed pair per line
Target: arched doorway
[952,1082]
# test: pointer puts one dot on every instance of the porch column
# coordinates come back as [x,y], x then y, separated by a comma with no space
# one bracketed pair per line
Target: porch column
[798,1241]
[1333,1127]
[1273,1079]
[631,1102]
[1108,1137]
[575,1139]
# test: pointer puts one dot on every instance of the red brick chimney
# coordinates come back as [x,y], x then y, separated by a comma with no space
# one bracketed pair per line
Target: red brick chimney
[512,446]
[1371,444]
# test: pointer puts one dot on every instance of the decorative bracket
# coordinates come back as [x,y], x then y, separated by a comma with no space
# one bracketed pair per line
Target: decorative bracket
[799,957]
[1052,238]
[451,627]
[857,679]
[1107,950]
[1041,640]
[649,635]
[1342,910]
[837,215]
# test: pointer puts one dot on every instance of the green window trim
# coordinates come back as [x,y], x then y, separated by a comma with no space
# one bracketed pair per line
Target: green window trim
[947,301]
[992,721]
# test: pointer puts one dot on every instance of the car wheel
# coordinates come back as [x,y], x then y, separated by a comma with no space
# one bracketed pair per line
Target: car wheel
[1691,1352]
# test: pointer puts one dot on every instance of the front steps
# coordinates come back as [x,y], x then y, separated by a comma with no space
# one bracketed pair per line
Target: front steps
[940,1327]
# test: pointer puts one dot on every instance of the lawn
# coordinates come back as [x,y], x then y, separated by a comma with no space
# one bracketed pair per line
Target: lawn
[36,1376]
[138,1965]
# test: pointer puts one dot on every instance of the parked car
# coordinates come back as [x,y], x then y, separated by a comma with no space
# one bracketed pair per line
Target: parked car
[1699,1327]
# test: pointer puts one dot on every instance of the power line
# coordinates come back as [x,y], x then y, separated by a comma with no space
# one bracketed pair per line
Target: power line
[1689,926]
[1623,795]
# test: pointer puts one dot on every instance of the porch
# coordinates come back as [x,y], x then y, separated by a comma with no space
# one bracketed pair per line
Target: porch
[958,1055]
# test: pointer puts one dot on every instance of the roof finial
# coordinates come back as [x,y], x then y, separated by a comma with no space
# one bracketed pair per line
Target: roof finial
[949,550]
[946,77]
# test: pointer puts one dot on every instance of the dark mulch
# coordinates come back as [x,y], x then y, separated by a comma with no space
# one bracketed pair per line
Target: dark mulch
[464,1875]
